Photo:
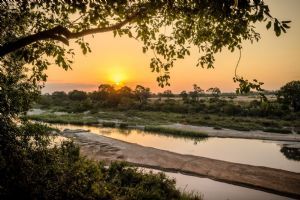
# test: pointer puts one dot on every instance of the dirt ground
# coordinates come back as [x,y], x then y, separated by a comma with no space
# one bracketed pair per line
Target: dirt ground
[103,148]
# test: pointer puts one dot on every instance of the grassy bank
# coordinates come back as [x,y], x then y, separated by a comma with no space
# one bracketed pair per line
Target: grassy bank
[277,130]
[149,118]
[77,119]
[175,132]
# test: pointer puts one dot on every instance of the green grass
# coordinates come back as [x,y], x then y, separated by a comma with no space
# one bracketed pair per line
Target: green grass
[151,118]
[77,119]
[175,132]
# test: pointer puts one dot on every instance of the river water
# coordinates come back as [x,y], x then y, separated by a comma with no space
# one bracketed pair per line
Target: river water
[246,151]
[253,152]
[214,190]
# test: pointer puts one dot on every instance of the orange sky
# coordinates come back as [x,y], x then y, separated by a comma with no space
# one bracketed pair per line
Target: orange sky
[272,60]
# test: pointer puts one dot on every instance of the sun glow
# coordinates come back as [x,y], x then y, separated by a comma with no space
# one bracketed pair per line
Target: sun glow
[117,76]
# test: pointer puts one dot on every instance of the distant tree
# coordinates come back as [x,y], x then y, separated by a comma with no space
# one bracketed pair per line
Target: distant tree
[168,94]
[108,95]
[45,100]
[105,90]
[196,93]
[125,92]
[142,93]
[215,91]
[57,98]
[77,95]
[59,95]
[94,96]
[185,96]
[290,94]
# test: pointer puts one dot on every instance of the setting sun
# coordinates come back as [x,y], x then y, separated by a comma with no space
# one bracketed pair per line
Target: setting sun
[118,78]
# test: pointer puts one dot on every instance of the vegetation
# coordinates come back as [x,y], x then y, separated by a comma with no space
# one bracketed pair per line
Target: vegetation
[32,29]
[289,95]
[35,171]
[35,34]
[291,153]
[154,118]
[176,132]
[196,101]
[108,124]
[277,130]
[78,119]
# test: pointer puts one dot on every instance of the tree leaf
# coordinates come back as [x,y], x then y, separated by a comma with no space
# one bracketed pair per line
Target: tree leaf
[269,25]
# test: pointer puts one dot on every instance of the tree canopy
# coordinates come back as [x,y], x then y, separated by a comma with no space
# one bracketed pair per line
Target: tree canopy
[290,94]
[34,31]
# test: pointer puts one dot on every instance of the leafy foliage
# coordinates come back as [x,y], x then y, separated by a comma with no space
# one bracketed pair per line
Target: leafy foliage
[196,101]
[214,91]
[290,94]
[246,86]
[31,169]
[16,90]
[34,31]
[142,93]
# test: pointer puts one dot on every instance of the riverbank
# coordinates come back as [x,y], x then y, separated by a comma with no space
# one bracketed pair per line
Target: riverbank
[150,118]
[99,147]
[228,133]
[163,125]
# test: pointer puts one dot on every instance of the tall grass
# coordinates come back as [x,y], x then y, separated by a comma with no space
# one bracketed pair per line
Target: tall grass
[64,119]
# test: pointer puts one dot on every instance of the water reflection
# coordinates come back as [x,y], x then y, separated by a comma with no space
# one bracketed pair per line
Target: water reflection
[245,151]
[128,132]
[212,190]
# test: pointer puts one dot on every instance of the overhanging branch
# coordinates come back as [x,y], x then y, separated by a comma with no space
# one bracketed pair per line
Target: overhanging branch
[61,34]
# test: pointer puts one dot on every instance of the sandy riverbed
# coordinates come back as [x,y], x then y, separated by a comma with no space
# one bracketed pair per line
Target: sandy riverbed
[99,147]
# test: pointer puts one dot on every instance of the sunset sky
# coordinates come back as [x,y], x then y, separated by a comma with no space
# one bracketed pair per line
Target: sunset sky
[272,60]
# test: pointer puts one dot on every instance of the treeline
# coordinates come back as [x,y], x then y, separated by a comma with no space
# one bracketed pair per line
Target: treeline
[195,101]
[107,96]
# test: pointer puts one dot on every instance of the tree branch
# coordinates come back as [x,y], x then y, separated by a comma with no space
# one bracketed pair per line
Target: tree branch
[44,35]
[59,33]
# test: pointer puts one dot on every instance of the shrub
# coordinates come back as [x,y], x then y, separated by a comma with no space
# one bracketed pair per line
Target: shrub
[31,169]
[108,124]
[231,109]
[218,128]
[277,130]
[123,125]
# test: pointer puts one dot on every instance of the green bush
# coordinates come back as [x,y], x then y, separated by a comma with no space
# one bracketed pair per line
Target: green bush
[277,130]
[218,128]
[31,169]
[123,125]
[108,124]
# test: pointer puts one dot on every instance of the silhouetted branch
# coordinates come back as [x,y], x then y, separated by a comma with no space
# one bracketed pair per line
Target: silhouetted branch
[59,33]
